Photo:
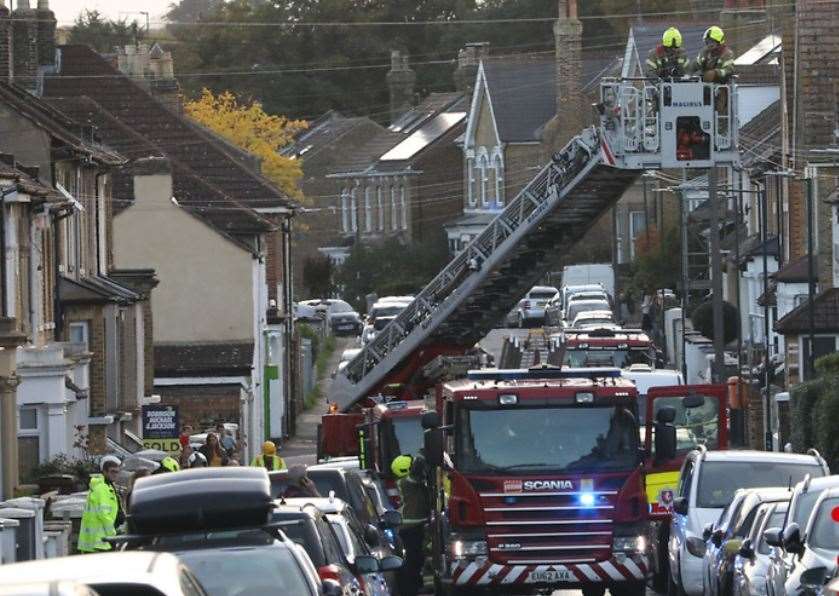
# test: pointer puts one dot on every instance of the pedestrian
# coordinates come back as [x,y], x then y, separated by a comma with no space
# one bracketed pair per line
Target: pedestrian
[269,459]
[228,443]
[646,313]
[667,60]
[299,484]
[186,447]
[216,457]
[103,512]
[416,508]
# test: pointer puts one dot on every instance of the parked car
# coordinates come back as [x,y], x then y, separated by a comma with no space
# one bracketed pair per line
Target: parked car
[111,574]
[589,295]
[593,273]
[595,319]
[815,548]
[373,329]
[804,497]
[576,308]
[346,357]
[724,538]
[531,308]
[707,484]
[752,561]
[304,524]
[47,588]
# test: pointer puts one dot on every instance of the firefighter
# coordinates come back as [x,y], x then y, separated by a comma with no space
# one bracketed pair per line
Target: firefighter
[168,464]
[716,60]
[102,511]
[667,60]
[268,459]
[416,507]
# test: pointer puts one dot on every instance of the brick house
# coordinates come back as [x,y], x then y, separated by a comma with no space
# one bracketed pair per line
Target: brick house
[219,310]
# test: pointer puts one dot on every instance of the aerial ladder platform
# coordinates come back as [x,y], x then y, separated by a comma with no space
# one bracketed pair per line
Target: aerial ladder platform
[642,126]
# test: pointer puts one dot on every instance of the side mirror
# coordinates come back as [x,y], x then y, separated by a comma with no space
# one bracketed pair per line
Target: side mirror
[371,536]
[792,539]
[392,518]
[665,414]
[665,440]
[693,401]
[707,531]
[813,577]
[330,587]
[773,537]
[433,445]
[680,505]
[390,563]
[747,551]
[366,564]
[430,420]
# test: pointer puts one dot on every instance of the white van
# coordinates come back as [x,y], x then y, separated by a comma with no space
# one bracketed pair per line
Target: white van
[590,274]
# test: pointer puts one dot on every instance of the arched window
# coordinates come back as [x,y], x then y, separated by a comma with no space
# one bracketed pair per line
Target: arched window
[380,204]
[403,200]
[471,195]
[499,179]
[394,208]
[354,209]
[345,211]
[368,210]
[492,187]
[483,167]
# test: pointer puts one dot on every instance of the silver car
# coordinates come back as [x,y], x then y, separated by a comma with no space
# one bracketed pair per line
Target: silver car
[752,561]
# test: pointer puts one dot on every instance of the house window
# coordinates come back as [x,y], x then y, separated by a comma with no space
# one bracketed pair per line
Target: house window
[823,346]
[345,211]
[380,204]
[472,198]
[79,333]
[499,180]
[403,207]
[368,210]
[394,209]
[28,419]
[354,210]
[28,442]
[636,226]
[483,167]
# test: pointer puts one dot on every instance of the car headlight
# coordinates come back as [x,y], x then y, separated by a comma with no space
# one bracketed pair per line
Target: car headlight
[468,549]
[629,544]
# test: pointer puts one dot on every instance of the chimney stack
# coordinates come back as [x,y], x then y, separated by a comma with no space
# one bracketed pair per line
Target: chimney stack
[468,60]
[25,46]
[46,33]
[153,68]
[5,43]
[400,81]
[570,104]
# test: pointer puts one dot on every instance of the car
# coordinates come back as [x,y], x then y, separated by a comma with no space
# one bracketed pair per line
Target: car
[724,538]
[595,319]
[815,548]
[589,295]
[386,308]
[111,574]
[805,494]
[752,560]
[531,308]
[47,588]
[346,357]
[362,540]
[708,482]
[574,309]
[304,524]
[373,329]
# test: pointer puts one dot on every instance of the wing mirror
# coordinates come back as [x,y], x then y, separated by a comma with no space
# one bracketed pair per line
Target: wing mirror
[792,539]
[330,587]
[390,563]
[364,564]
[813,578]
[680,505]
[665,434]
[371,536]
[433,445]
[773,537]
[391,518]
[747,551]
[430,420]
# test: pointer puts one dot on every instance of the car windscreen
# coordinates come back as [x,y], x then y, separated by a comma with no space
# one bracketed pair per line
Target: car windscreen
[216,539]
[825,532]
[575,308]
[609,357]
[401,436]
[381,323]
[125,589]
[390,310]
[301,531]
[803,505]
[719,479]
[541,295]
[592,321]
[340,306]
[557,439]
[592,296]
[247,571]
[327,481]
[697,425]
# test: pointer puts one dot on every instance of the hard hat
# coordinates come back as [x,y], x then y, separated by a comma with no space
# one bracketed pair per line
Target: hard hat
[109,458]
[268,448]
[197,460]
[672,38]
[401,465]
[714,33]
[170,464]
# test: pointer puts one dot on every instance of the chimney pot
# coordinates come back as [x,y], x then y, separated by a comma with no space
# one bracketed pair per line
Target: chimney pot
[400,81]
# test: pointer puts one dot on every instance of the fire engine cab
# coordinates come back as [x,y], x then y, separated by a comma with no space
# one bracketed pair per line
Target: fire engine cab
[619,348]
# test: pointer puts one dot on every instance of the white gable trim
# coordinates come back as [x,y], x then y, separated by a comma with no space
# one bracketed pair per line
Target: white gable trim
[481,90]
[631,59]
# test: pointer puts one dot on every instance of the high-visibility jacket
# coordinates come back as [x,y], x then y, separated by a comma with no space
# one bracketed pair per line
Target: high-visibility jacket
[415,503]
[666,63]
[99,517]
[719,59]
[275,462]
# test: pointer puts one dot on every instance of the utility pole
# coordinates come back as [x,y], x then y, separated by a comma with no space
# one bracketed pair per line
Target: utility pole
[763,206]
[809,173]
[683,220]
[716,279]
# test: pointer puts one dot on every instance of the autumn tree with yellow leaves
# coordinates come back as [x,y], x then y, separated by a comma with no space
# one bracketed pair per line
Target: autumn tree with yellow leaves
[249,127]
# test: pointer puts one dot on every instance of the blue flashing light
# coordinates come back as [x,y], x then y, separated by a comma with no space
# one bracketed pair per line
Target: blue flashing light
[587,499]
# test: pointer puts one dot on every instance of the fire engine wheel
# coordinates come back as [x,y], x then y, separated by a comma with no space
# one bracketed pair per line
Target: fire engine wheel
[629,589]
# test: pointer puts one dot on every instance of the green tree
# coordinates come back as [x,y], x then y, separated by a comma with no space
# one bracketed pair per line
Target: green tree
[94,30]
[703,320]
[317,276]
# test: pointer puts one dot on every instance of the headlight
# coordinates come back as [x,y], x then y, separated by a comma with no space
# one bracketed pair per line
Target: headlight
[629,544]
[468,549]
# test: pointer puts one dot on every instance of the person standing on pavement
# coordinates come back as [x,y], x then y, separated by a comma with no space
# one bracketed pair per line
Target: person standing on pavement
[226,440]
[416,508]
[103,512]
[268,459]
[186,448]
[216,456]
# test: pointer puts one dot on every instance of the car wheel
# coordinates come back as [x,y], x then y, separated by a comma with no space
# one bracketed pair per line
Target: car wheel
[594,590]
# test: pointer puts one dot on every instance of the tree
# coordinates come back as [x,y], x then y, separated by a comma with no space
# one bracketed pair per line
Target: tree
[92,29]
[703,321]
[248,126]
[317,276]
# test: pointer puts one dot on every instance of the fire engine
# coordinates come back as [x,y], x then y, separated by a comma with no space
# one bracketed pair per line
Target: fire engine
[541,481]
[620,348]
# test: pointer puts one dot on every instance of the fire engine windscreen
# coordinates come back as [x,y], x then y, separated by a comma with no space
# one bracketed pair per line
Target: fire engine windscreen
[402,436]
[611,357]
[556,439]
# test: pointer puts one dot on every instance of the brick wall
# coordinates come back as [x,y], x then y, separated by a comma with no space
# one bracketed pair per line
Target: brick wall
[520,163]
[25,51]
[5,45]
[203,405]
[568,36]
[46,34]
[439,201]
[797,235]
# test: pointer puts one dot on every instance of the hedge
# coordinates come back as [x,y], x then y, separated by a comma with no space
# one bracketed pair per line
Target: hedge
[815,411]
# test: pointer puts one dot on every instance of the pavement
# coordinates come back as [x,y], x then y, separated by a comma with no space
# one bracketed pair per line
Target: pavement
[302,448]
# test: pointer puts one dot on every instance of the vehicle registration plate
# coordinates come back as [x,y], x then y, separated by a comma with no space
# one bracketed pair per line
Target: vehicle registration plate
[550,576]
[346,327]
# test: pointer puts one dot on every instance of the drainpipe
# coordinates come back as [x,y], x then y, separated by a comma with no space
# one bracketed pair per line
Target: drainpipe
[288,299]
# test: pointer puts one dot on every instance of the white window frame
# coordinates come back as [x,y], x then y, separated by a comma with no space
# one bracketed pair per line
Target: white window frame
[345,211]
[380,204]
[394,209]
[85,329]
[498,162]
[404,204]
[471,195]
[368,210]
[633,232]
[354,209]
[483,167]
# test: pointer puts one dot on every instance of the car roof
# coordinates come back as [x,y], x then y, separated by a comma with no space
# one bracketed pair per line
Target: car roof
[762,456]
[137,567]
[594,314]
[543,289]
[588,302]
[350,463]
[818,483]
[294,510]
[765,494]
[322,504]
[583,287]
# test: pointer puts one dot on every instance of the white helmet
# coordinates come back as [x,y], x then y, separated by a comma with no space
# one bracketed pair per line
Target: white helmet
[109,458]
[197,460]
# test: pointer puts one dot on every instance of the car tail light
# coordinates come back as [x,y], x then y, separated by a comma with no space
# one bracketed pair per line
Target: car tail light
[329,572]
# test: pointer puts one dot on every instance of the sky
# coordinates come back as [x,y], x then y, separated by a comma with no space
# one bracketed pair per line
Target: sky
[67,10]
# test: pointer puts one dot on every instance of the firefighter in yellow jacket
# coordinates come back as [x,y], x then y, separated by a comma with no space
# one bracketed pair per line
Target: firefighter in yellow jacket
[268,459]
[102,512]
